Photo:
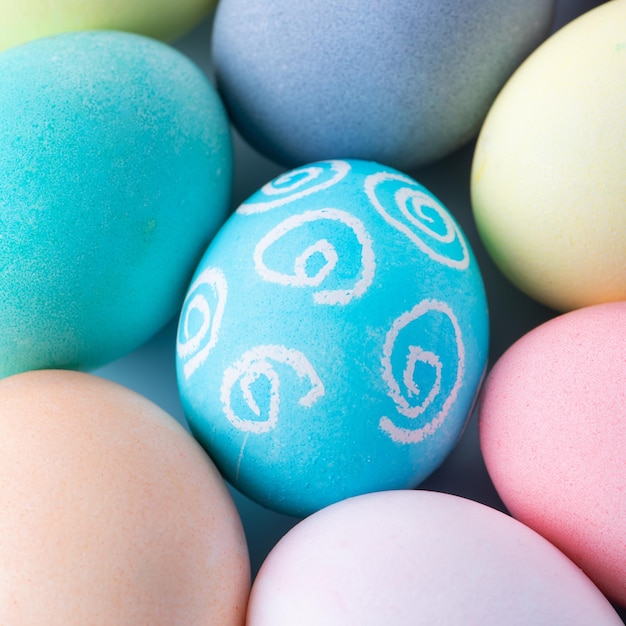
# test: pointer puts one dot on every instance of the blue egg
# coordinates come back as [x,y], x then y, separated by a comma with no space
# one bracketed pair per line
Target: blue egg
[115,172]
[334,337]
[403,82]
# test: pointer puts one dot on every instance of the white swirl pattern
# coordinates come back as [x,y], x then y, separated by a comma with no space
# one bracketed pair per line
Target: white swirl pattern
[447,377]
[299,277]
[296,184]
[257,363]
[193,349]
[416,214]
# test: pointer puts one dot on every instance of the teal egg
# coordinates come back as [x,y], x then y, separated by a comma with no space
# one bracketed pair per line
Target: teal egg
[115,172]
[333,338]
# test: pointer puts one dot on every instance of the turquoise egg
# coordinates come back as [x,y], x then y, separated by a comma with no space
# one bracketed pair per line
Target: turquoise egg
[115,172]
[333,338]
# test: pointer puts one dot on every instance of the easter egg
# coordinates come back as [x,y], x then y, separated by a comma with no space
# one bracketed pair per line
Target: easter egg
[25,20]
[115,172]
[110,512]
[417,558]
[548,184]
[403,82]
[333,338]
[552,419]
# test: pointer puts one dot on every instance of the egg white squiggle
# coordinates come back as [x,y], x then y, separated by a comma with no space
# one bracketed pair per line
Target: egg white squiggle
[299,277]
[256,363]
[415,213]
[413,402]
[209,287]
[296,184]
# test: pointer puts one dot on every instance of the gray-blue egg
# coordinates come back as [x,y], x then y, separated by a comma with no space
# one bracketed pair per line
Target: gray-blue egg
[404,82]
[333,338]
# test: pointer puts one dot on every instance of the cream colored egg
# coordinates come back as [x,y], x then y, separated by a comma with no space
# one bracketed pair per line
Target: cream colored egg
[549,174]
[110,513]
[24,20]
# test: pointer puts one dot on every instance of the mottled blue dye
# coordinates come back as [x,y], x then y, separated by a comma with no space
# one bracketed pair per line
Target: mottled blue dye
[115,171]
[403,82]
[334,337]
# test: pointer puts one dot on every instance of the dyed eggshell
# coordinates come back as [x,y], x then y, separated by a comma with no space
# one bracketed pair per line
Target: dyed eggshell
[548,184]
[412,558]
[333,338]
[403,82]
[552,432]
[110,512]
[25,20]
[115,171]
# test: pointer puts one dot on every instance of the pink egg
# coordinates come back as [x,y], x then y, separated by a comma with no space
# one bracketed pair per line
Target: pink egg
[411,558]
[553,435]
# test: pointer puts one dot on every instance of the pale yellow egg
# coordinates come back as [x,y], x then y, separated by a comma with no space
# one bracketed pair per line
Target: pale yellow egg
[549,174]
[24,20]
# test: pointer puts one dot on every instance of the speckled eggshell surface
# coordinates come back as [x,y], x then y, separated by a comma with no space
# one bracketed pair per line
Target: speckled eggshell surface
[333,338]
[402,83]
[110,512]
[548,180]
[25,20]
[115,171]
[417,558]
[553,435]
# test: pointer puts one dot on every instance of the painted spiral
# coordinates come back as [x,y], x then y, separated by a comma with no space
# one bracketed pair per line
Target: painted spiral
[406,206]
[294,185]
[345,228]
[200,320]
[260,363]
[422,381]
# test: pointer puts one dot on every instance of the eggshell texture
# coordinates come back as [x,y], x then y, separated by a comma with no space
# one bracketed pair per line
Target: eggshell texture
[25,20]
[412,558]
[115,171]
[403,82]
[548,183]
[552,431]
[333,338]
[110,512]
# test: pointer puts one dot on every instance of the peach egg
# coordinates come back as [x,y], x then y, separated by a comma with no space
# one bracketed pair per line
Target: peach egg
[110,513]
